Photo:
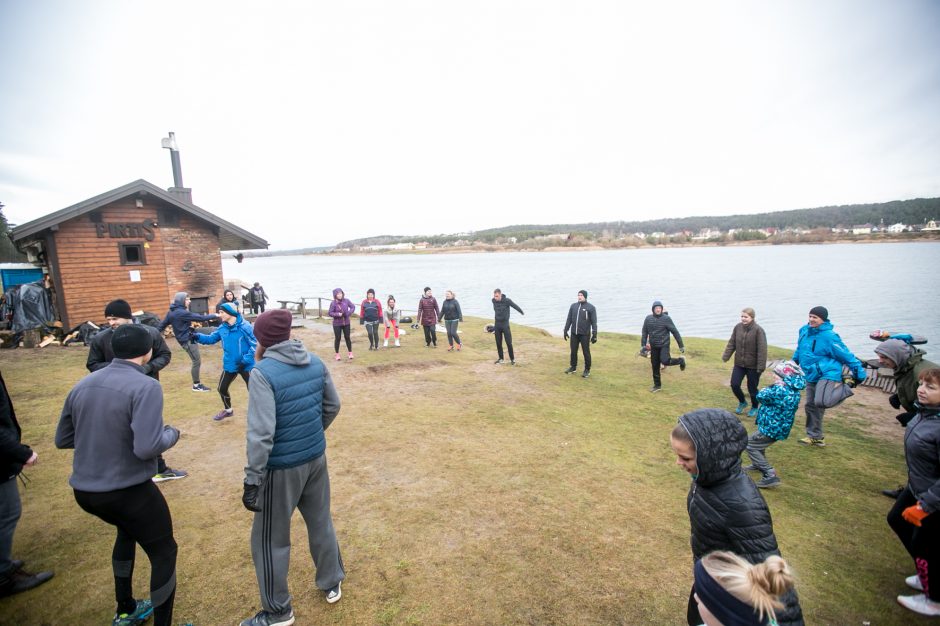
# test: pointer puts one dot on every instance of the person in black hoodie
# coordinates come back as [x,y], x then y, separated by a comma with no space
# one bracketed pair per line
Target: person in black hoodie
[726,510]
[655,339]
[501,305]
[14,456]
[582,321]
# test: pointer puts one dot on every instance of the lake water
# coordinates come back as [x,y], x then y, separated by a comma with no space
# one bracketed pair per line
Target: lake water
[894,286]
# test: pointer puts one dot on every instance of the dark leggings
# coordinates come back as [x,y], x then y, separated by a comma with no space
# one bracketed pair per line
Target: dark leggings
[141,516]
[430,334]
[337,332]
[753,377]
[224,381]
[503,331]
[372,328]
[923,543]
[451,326]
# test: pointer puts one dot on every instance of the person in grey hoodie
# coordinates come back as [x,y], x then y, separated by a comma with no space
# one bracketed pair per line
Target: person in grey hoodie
[655,338]
[181,319]
[291,403]
[113,418]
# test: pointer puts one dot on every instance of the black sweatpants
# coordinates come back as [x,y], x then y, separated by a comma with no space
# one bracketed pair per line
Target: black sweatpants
[922,543]
[503,331]
[584,342]
[430,334]
[344,332]
[141,516]
[660,354]
[372,329]
[753,377]
[225,380]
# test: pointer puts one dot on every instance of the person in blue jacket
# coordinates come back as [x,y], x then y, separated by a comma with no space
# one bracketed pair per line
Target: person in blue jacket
[821,354]
[181,319]
[238,352]
[775,413]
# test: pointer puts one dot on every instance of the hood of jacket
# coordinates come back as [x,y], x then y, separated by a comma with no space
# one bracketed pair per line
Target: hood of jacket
[827,325]
[795,381]
[719,440]
[179,300]
[338,291]
[291,351]
[899,352]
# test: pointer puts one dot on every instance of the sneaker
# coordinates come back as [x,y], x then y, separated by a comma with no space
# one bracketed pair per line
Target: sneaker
[459,346]
[810,441]
[337,357]
[334,594]
[350,356]
[586,374]
[893,493]
[140,615]
[19,580]
[920,604]
[512,362]
[385,345]
[740,409]
[571,370]
[768,482]
[682,364]
[752,412]
[655,388]
[497,362]
[749,468]
[200,387]
[914,582]
[450,349]
[264,618]
[169,474]
[221,415]
[397,343]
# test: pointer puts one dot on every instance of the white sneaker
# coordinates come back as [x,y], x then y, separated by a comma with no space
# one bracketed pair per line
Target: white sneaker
[920,604]
[397,344]
[914,582]
[385,345]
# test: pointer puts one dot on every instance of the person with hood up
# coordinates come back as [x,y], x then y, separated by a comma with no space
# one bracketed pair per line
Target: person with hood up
[452,316]
[181,319]
[340,310]
[748,344]
[655,339]
[501,306]
[778,405]
[582,322]
[428,312]
[370,314]
[726,510]
[821,354]
[914,518]
[291,403]
[908,362]
[238,352]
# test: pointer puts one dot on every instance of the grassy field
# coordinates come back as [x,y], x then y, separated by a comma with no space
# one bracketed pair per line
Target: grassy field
[470,493]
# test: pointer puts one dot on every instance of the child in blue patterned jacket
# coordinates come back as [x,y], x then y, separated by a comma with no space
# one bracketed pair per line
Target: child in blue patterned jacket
[778,405]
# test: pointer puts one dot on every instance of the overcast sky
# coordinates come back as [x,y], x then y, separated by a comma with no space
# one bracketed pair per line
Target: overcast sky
[308,123]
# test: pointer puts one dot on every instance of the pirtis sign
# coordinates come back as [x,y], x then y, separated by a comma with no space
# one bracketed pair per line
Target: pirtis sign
[125,231]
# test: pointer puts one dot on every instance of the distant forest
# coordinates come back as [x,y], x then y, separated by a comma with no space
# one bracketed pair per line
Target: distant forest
[913,212]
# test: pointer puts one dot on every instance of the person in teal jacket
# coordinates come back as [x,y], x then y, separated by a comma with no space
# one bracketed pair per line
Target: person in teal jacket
[238,352]
[775,413]
[821,354]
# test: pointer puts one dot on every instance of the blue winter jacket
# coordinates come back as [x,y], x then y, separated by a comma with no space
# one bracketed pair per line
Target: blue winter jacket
[181,319]
[238,344]
[820,353]
[778,405]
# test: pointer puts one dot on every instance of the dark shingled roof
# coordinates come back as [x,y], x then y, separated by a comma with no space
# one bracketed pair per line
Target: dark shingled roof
[231,237]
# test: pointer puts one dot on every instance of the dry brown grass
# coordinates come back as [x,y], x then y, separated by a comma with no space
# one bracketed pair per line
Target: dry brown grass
[469,493]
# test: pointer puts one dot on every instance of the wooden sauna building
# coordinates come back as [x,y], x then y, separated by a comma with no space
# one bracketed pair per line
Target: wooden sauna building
[137,242]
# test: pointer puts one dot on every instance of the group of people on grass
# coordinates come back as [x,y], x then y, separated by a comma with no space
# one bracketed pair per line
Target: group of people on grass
[113,420]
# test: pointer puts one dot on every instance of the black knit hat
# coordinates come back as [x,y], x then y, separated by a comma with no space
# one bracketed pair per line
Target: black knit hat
[820,312]
[583,292]
[118,308]
[129,341]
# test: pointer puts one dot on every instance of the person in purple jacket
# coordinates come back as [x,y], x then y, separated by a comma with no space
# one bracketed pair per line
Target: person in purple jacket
[340,310]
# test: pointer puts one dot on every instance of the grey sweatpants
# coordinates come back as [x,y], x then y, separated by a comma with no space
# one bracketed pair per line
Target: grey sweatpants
[814,413]
[305,487]
[757,444]
[192,349]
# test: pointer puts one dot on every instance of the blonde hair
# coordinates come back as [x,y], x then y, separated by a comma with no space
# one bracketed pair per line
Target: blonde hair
[750,312]
[759,585]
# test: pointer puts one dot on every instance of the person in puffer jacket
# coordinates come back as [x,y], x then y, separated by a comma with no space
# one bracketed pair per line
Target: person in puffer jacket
[914,518]
[238,352]
[778,405]
[821,354]
[428,312]
[654,337]
[726,510]
[340,310]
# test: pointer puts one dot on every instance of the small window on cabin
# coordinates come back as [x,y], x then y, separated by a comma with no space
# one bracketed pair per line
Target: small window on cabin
[168,218]
[132,254]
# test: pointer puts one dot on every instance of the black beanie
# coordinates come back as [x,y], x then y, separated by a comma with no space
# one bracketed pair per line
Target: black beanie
[821,312]
[119,308]
[583,292]
[129,341]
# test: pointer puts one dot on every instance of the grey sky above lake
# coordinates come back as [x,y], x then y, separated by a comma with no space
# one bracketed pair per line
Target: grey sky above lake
[308,123]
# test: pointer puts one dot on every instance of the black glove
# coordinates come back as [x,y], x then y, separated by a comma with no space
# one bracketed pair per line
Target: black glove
[192,338]
[250,498]
[894,401]
[566,335]
[594,338]
[904,418]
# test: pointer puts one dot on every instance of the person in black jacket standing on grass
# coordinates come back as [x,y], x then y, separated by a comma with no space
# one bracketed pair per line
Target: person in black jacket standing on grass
[655,338]
[582,321]
[501,305]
